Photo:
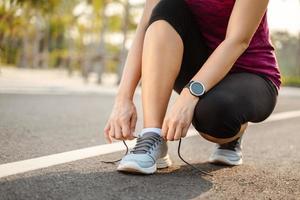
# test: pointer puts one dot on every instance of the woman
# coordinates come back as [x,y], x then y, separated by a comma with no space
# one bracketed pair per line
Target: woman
[217,56]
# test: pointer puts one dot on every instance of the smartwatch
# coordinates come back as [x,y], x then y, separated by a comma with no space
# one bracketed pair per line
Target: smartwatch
[196,88]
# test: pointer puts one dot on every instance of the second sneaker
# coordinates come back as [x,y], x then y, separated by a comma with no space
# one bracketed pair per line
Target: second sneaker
[228,154]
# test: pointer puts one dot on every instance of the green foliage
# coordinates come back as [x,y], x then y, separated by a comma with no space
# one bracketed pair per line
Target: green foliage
[57,56]
[287,52]
[11,53]
[33,32]
[115,23]
[97,4]
[45,6]
[111,66]
[291,81]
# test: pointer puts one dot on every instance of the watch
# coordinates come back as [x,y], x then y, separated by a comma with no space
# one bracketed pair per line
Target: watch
[196,88]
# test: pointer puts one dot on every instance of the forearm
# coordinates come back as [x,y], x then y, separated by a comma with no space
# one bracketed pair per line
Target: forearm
[243,23]
[218,64]
[132,69]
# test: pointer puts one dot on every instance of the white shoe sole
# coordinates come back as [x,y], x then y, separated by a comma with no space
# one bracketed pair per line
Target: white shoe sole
[217,159]
[133,167]
[164,162]
[226,157]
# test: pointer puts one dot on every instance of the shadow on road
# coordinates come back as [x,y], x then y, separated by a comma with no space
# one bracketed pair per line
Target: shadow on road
[172,183]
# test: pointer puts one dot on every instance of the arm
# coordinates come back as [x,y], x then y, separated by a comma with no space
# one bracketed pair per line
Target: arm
[122,120]
[244,21]
[132,68]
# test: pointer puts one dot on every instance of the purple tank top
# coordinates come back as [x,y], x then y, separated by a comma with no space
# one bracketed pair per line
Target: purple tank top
[212,16]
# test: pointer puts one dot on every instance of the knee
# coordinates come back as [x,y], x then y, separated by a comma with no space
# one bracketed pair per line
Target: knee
[173,14]
[160,29]
[215,118]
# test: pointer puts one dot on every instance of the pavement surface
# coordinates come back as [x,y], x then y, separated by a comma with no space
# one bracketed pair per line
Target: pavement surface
[38,120]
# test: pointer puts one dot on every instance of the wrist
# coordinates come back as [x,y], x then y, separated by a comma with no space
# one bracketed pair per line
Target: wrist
[122,97]
[187,94]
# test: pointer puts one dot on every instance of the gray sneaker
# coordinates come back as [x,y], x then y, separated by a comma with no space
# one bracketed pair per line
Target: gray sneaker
[228,154]
[148,155]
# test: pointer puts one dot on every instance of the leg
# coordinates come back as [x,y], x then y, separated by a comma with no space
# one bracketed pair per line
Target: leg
[222,115]
[162,57]
[225,140]
[161,61]
[173,52]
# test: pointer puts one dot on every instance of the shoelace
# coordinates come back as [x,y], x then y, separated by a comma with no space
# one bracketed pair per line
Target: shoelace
[178,152]
[144,144]
[115,161]
[197,169]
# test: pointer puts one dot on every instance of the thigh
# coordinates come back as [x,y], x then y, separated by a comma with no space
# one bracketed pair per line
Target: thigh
[180,17]
[239,98]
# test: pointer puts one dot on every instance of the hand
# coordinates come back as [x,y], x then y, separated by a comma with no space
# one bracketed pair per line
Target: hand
[177,121]
[122,121]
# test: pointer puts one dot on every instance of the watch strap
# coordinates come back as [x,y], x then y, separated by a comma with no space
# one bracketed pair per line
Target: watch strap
[188,84]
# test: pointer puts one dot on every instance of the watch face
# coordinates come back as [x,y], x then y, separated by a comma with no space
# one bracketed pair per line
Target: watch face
[197,88]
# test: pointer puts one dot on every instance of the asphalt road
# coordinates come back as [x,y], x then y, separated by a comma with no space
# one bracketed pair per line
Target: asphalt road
[38,125]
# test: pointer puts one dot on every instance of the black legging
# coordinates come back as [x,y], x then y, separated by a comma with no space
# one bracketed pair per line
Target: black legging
[238,98]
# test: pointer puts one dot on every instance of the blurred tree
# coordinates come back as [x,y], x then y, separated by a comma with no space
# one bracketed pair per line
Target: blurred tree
[49,33]
[287,52]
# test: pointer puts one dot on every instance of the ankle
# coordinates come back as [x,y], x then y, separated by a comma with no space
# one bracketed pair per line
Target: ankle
[151,129]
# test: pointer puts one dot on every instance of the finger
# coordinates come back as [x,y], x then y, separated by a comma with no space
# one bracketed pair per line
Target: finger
[184,131]
[106,128]
[133,123]
[178,133]
[106,134]
[171,132]
[126,130]
[118,131]
[112,131]
[164,130]
[130,137]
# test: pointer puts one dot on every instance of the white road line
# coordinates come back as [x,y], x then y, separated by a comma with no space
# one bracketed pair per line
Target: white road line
[60,158]
[283,116]
[69,156]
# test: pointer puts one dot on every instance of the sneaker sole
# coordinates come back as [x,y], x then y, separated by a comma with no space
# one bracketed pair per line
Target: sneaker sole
[225,161]
[164,162]
[132,167]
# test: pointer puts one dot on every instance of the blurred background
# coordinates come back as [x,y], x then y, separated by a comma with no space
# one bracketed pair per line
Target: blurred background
[89,39]
[86,38]
[61,62]
[60,65]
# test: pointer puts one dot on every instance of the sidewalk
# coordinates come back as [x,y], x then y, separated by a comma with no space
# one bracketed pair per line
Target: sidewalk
[55,81]
[36,81]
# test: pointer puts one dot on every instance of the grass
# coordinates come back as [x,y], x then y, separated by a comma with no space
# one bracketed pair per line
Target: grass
[291,81]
